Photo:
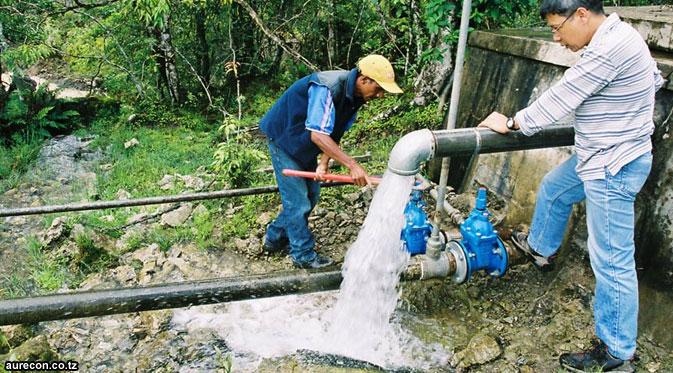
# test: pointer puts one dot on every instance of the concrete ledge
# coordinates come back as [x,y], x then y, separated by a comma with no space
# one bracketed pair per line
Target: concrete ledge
[654,23]
[534,44]
[537,44]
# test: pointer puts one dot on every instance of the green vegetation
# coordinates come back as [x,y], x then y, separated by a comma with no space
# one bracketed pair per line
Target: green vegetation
[46,273]
[189,80]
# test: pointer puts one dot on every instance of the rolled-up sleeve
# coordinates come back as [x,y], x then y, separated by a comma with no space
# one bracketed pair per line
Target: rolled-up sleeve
[320,114]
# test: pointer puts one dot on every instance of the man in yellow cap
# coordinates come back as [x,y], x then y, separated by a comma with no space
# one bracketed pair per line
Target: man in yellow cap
[309,119]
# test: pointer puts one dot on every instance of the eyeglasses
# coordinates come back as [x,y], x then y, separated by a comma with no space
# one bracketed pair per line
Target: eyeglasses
[557,28]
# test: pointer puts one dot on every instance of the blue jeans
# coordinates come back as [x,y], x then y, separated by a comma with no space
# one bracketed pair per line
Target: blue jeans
[610,223]
[299,197]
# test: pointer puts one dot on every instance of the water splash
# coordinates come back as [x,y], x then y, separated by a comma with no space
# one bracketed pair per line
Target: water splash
[360,320]
[355,322]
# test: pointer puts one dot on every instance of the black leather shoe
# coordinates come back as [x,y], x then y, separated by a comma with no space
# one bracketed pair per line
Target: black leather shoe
[272,249]
[595,359]
[318,262]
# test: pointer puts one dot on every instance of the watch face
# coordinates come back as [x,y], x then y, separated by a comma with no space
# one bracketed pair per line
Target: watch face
[510,123]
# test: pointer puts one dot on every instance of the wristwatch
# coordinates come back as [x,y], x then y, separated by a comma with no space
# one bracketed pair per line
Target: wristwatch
[510,124]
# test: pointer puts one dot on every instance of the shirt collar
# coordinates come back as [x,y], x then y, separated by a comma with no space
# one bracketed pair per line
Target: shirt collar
[350,84]
[608,24]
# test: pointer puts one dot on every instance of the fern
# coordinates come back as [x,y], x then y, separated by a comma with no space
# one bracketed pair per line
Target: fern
[33,115]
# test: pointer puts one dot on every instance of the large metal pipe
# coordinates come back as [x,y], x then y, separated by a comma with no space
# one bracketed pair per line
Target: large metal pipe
[124,300]
[464,141]
[191,293]
[184,294]
[419,146]
[100,205]
[410,151]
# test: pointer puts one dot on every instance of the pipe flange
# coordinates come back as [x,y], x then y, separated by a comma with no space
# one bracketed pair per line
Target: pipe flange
[460,275]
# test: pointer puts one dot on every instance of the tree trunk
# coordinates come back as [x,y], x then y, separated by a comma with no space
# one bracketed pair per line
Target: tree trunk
[278,55]
[203,52]
[168,71]
[260,24]
[434,76]
[3,46]
[331,38]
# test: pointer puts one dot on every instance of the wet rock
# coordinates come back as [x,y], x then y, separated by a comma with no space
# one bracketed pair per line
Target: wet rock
[62,157]
[97,281]
[11,193]
[193,182]
[125,274]
[241,245]
[66,251]
[152,258]
[166,182]
[57,230]
[481,349]
[177,217]
[123,195]
[352,197]
[131,143]
[16,220]
[131,235]
[526,369]
[136,218]
[155,322]
[34,349]
[200,210]
[159,353]
[15,335]
[264,219]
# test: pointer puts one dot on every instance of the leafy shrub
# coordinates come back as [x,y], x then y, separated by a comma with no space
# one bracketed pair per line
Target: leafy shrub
[34,115]
[235,160]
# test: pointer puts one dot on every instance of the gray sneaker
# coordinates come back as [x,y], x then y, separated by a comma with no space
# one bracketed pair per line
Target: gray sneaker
[543,263]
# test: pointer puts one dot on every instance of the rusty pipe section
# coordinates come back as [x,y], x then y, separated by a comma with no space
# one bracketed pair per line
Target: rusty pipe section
[419,146]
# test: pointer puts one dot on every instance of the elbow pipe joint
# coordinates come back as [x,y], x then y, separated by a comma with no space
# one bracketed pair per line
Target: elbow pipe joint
[410,151]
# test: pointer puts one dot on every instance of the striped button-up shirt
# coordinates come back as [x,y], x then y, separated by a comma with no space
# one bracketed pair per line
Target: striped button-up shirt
[611,90]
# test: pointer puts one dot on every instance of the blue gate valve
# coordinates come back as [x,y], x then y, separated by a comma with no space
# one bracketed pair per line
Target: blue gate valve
[481,246]
[417,227]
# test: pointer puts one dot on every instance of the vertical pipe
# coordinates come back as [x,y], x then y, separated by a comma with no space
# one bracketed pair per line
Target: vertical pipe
[451,120]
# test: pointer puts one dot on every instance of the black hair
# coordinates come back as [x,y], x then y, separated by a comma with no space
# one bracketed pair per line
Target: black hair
[567,7]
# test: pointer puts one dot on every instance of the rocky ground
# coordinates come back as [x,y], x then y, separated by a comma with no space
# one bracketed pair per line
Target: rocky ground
[517,323]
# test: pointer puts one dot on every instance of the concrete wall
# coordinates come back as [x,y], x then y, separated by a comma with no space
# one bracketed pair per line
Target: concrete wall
[506,71]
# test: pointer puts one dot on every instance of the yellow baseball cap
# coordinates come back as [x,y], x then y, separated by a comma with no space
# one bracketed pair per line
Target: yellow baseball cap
[381,71]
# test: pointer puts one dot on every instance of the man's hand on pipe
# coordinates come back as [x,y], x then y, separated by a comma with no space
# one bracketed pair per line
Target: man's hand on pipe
[359,175]
[496,122]
[332,150]
[322,168]
[319,172]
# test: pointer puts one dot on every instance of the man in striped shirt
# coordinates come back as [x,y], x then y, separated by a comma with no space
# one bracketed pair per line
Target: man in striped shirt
[611,92]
